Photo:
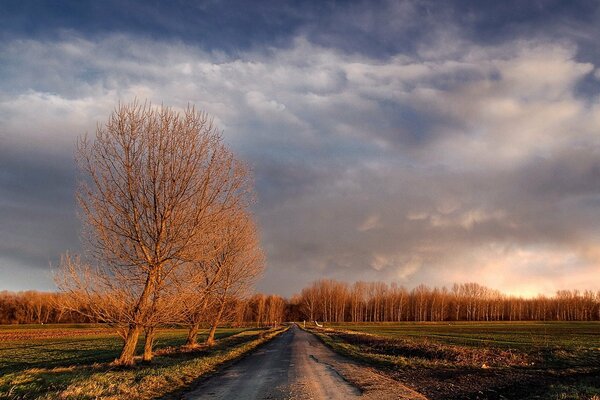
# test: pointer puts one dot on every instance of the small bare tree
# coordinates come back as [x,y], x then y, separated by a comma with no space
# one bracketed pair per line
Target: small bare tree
[197,282]
[233,260]
[154,182]
[240,260]
[197,285]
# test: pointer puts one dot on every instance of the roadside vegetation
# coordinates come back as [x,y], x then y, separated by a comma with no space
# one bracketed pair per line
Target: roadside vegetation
[75,366]
[518,360]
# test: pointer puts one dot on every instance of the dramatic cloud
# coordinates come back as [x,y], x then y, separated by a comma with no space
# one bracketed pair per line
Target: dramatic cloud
[445,157]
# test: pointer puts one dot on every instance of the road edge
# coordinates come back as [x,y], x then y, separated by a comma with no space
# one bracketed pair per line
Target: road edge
[218,368]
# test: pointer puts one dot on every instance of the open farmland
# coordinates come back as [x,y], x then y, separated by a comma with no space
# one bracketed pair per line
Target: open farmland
[58,361]
[528,360]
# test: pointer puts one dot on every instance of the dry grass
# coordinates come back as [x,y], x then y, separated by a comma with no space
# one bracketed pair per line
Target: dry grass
[426,352]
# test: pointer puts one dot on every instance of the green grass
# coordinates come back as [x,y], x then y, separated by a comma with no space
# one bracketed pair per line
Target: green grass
[88,349]
[515,335]
[80,368]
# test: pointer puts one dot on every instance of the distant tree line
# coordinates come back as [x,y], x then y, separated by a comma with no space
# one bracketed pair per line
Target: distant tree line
[34,307]
[333,301]
[261,310]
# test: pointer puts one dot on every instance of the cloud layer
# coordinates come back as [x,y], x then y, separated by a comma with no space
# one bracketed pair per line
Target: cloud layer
[447,158]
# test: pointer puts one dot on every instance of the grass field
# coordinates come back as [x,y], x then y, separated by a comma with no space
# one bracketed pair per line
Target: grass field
[495,360]
[73,361]
[61,346]
[517,335]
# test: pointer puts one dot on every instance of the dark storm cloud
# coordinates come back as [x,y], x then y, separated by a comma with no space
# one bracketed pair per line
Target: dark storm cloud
[36,208]
[211,24]
[376,28]
[411,141]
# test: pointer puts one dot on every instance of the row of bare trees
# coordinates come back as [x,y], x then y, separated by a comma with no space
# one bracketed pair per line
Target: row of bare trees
[263,310]
[33,307]
[168,237]
[332,301]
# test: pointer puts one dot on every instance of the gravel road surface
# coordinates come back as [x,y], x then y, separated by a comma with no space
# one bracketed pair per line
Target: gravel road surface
[297,365]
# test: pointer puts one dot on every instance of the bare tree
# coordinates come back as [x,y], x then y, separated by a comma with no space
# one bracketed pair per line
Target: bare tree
[197,285]
[239,259]
[233,259]
[154,182]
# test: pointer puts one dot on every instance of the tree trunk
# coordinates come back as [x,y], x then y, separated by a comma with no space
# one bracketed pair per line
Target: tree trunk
[149,344]
[128,351]
[210,340]
[126,357]
[193,335]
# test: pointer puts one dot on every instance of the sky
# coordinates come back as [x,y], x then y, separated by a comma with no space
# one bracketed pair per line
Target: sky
[402,141]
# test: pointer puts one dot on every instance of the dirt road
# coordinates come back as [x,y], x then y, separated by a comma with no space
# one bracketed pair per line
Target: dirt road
[296,365]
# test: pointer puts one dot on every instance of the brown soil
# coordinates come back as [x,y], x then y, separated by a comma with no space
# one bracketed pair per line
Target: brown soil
[436,352]
[438,384]
[33,334]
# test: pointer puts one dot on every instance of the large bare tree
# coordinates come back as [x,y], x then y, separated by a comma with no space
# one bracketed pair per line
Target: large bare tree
[154,183]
